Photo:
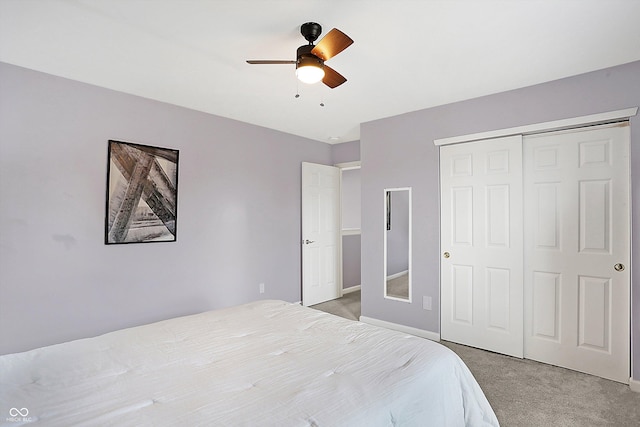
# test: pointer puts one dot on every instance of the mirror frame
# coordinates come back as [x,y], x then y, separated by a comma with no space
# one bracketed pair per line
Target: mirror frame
[385,216]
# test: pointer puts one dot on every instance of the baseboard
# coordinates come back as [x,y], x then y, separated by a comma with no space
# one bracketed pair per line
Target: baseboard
[350,289]
[395,276]
[433,336]
[634,385]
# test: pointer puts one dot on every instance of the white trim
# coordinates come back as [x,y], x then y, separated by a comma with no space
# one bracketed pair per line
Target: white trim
[634,385]
[592,119]
[351,232]
[350,289]
[348,165]
[395,276]
[433,336]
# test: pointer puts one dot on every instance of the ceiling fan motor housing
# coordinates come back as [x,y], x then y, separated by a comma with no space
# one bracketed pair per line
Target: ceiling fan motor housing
[310,31]
[306,58]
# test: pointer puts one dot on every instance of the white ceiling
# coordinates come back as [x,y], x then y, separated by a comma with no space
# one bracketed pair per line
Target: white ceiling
[408,54]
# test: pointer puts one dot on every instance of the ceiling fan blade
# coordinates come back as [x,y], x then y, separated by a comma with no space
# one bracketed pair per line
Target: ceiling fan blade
[268,61]
[332,78]
[332,44]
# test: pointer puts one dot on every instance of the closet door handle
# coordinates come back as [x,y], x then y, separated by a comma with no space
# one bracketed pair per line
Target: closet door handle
[307,241]
[619,267]
[446,255]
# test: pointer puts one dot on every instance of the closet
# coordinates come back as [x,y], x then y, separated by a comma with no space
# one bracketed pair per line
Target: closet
[535,240]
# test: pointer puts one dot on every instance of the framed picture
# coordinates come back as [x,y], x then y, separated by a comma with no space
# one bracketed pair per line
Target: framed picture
[142,194]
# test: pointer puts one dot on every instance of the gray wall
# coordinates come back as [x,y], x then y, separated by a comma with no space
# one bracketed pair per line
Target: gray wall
[351,261]
[399,152]
[238,212]
[350,203]
[345,152]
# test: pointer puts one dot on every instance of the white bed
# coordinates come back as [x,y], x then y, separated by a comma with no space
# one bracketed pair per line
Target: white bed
[267,363]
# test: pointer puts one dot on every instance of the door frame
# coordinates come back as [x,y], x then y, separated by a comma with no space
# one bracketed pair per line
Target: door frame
[346,166]
[575,122]
[552,126]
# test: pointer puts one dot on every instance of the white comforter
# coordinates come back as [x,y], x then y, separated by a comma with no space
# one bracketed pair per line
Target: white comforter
[268,363]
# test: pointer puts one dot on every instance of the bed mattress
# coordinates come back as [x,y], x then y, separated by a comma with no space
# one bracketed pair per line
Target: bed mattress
[267,363]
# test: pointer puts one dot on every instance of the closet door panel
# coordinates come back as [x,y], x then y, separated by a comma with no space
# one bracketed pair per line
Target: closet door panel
[576,187]
[481,241]
[546,288]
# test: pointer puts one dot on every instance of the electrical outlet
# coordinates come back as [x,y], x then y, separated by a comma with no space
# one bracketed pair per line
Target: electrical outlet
[261,286]
[426,302]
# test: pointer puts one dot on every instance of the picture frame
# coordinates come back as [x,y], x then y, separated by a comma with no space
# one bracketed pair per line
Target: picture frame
[142,194]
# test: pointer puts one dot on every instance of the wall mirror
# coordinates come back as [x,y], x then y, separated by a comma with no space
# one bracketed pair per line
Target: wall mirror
[397,244]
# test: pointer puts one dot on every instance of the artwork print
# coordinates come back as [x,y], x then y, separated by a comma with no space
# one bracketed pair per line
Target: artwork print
[142,194]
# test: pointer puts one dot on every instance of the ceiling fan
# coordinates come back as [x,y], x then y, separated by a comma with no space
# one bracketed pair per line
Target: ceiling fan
[310,66]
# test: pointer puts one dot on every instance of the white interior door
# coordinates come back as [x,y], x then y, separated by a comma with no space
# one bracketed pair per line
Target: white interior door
[481,240]
[320,233]
[576,232]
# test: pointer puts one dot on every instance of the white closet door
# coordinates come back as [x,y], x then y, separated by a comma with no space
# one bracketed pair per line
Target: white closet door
[576,232]
[481,241]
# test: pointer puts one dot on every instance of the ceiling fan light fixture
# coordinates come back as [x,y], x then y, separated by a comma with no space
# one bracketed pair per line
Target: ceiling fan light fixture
[309,68]
[310,74]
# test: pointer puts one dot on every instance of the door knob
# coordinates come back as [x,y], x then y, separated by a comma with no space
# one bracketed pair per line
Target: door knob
[446,254]
[619,267]
[306,242]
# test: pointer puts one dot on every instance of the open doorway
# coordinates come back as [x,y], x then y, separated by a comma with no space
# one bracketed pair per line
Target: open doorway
[349,304]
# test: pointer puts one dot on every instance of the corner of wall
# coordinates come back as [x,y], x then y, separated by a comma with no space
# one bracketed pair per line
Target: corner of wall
[345,152]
